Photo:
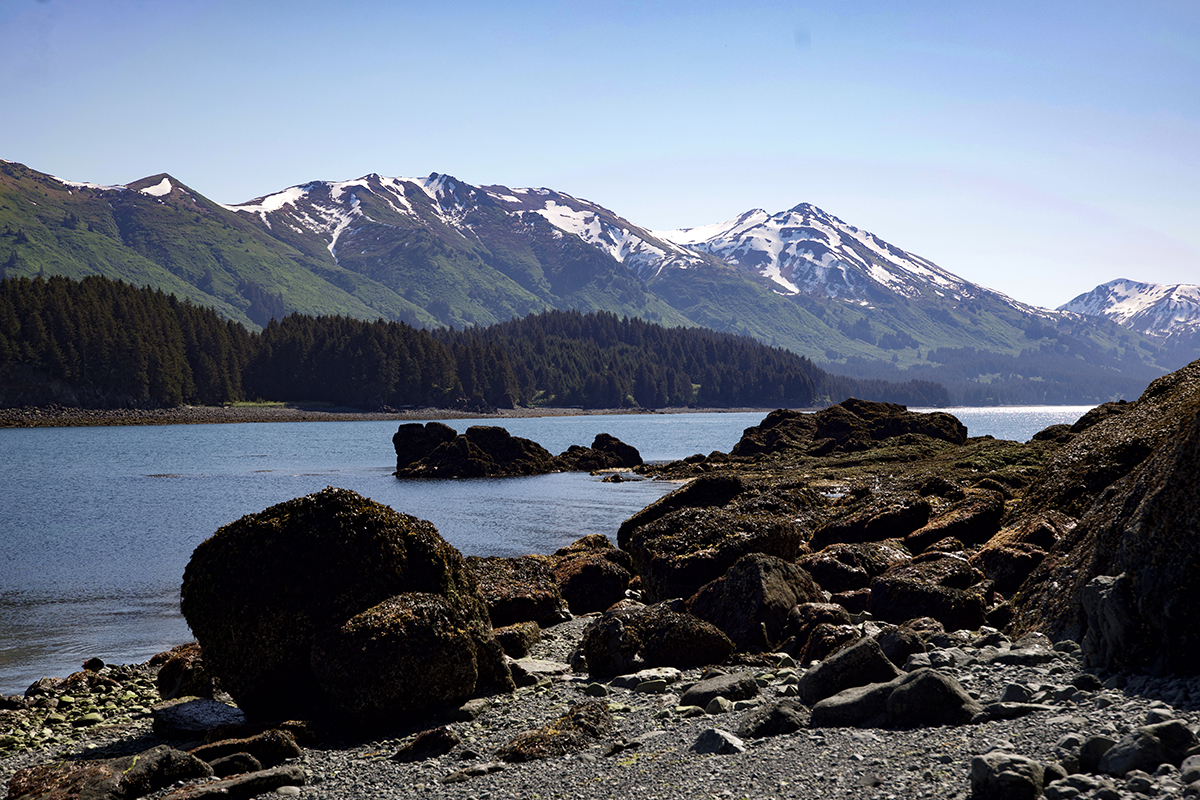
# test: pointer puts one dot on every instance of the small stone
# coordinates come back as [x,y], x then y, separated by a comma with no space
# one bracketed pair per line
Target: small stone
[719,705]
[595,690]
[88,720]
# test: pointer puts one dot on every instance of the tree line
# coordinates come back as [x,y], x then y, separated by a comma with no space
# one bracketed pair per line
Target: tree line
[121,345]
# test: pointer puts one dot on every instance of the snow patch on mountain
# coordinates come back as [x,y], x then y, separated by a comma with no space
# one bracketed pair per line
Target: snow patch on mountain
[159,189]
[85,184]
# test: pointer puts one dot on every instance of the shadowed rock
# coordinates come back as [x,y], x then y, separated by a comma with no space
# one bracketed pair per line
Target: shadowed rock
[261,589]
[630,637]
[938,585]
[751,601]
[521,589]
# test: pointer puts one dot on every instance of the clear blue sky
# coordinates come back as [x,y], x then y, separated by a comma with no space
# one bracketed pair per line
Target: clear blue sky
[1036,148]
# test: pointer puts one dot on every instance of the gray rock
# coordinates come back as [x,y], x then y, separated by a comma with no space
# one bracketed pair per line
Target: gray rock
[667,674]
[1148,747]
[860,664]
[1005,776]
[785,716]
[859,706]
[928,697]
[188,719]
[737,686]
[1092,750]
[718,742]
[1189,770]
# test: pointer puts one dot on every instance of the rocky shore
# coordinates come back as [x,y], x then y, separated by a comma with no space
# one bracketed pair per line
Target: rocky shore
[860,602]
[656,746]
[70,416]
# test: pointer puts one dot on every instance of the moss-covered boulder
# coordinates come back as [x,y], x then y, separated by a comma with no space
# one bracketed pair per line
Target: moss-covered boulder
[751,601]
[410,654]
[521,589]
[592,574]
[630,637]
[260,590]
[680,552]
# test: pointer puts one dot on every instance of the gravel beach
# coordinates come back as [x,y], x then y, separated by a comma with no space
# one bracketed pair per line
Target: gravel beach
[651,754]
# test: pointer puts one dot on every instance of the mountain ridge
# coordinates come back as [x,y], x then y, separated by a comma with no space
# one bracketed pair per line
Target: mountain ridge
[437,251]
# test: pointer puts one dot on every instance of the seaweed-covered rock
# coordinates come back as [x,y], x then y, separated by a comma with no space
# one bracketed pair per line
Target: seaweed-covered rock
[892,518]
[592,574]
[631,637]
[972,520]
[850,426]
[678,553]
[932,585]
[521,589]
[182,673]
[1112,440]
[409,654]
[258,591]
[518,639]
[751,601]
[109,779]
[703,492]
[846,567]
[582,725]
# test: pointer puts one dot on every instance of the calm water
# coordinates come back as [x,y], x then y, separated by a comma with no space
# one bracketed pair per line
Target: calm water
[99,523]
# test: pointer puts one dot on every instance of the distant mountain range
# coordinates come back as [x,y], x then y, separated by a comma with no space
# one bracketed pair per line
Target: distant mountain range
[1163,312]
[436,251]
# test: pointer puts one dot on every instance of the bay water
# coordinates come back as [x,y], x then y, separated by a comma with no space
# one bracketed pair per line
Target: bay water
[98,523]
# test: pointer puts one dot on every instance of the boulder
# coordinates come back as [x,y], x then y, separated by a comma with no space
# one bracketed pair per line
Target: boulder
[410,654]
[703,492]
[414,441]
[922,698]
[581,725]
[518,639]
[270,748]
[972,520]
[750,603]
[732,686]
[858,665]
[680,552]
[260,590]
[846,567]
[592,574]
[1148,747]
[630,637]
[521,589]
[824,640]
[938,585]
[1000,775]
[1141,527]
[777,719]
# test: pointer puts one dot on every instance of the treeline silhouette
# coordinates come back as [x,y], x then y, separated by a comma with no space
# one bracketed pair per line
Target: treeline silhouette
[118,345]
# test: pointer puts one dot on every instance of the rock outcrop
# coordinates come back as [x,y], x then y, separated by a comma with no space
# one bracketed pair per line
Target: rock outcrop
[1124,581]
[262,591]
[434,450]
[850,426]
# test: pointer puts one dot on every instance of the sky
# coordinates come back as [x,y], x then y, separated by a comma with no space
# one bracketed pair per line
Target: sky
[1035,148]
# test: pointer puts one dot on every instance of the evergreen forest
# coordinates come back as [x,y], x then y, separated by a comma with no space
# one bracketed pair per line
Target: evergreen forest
[106,343]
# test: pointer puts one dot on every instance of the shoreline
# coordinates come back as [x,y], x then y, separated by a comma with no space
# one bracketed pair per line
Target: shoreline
[69,417]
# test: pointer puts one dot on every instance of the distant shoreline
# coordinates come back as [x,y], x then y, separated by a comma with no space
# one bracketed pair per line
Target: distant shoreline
[69,417]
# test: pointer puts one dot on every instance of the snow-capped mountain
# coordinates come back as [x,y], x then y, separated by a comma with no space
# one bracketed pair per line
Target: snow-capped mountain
[805,250]
[329,209]
[1154,309]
